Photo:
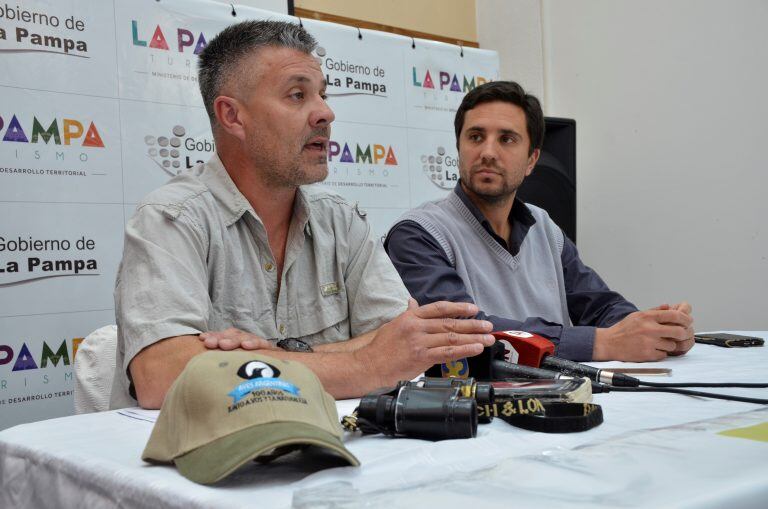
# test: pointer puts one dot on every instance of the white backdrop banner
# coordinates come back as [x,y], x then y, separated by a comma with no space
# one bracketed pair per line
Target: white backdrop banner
[99,104]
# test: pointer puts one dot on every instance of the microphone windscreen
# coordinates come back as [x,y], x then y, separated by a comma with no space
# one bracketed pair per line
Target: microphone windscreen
[529,348]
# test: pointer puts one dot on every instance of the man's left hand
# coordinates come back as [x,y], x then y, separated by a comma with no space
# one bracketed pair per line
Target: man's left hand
[230,339]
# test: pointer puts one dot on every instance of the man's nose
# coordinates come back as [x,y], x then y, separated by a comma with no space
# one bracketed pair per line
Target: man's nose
[321,115]
[488,151]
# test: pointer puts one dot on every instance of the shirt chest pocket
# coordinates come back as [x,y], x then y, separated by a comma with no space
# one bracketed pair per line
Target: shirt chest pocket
[322,315]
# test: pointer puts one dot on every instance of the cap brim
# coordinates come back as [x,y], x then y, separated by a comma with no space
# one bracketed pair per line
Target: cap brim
[216,460]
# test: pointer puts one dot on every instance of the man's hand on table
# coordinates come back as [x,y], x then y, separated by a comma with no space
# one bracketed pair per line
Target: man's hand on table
[649,335]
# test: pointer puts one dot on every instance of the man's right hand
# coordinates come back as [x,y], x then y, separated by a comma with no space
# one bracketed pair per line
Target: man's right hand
[423,336]
[643,336]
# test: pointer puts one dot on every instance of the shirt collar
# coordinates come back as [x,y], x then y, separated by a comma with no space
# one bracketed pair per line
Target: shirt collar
[519,212]
[222,187]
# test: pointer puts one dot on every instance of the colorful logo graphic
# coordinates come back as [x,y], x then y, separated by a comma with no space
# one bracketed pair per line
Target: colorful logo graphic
[166,150]
[448,81]
[71,132]
[260,375]
[441,169]
[24,360]
[455,369]
[185,39]
[364,154]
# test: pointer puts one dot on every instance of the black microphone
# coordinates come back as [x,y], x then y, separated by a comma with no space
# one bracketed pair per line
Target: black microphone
[598,375]
[536,351]
[502,369]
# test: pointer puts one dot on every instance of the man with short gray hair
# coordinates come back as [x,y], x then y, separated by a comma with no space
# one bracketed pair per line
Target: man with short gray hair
[240,252]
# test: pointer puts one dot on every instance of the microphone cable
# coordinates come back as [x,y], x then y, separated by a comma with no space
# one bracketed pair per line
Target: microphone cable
[607,376]
[502,369]
[704,384]
[598,388]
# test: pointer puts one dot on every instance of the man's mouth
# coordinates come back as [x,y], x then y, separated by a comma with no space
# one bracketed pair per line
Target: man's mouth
[317,145]
[483,172]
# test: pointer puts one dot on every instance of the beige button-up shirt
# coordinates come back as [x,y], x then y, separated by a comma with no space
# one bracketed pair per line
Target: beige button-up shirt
[196,258]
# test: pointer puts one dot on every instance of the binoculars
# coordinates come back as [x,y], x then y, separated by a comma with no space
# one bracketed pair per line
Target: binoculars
[431,408]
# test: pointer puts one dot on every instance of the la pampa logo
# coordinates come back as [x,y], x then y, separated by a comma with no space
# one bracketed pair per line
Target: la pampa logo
[441,168]
[166,150]
[259,375]
[29,36]
[24,360]
[67,132]
[346,78]
[184,41]
[445,80]
[373,153]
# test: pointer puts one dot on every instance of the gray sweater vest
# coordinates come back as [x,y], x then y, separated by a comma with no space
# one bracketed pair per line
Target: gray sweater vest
[517,287]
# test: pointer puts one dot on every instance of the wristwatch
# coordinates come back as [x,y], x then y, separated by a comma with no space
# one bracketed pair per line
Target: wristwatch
[294,345]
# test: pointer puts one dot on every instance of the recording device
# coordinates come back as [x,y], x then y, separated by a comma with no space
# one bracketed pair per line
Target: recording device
[728,340]
[432,413]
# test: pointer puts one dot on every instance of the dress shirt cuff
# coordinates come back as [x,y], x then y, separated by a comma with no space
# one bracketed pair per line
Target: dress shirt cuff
[576,343]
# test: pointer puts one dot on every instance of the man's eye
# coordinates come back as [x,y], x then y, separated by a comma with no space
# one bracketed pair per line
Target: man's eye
[475,137]
[324,97]
[507,139]
[298,95]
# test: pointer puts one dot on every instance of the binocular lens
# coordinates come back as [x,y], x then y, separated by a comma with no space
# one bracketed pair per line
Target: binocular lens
[481,391]
[428,413]
[419,412]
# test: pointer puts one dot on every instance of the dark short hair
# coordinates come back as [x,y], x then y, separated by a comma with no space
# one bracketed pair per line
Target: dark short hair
[510,92]
[224,53]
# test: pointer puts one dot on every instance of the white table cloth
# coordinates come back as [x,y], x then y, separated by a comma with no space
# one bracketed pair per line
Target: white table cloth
[653,450]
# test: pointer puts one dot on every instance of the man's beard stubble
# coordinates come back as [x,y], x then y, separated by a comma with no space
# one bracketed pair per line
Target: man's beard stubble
[496,196]
[287,171]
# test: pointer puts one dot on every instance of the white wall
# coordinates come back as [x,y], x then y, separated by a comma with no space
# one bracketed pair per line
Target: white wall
[514,30]
[671,109]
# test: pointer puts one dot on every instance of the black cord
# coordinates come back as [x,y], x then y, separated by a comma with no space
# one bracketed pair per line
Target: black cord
[609,388]
[711,384]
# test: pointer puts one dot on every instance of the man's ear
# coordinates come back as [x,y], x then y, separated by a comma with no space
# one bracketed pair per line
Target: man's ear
[229,112]
[532,160]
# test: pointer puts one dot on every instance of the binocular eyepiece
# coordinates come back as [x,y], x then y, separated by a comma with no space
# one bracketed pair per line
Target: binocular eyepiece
[432,408]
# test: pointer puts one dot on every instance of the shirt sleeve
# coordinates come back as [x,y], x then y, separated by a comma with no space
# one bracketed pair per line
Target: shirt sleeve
[590,301]
[161,289]
[429,276]
[375,291]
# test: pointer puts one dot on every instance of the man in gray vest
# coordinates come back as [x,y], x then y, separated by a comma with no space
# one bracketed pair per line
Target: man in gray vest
[240,252]
[480,244]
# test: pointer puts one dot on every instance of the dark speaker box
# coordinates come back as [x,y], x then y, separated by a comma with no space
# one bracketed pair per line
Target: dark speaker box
[552,185]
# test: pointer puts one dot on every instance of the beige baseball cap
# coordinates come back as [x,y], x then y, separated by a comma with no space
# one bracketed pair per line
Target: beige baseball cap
[228,408]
